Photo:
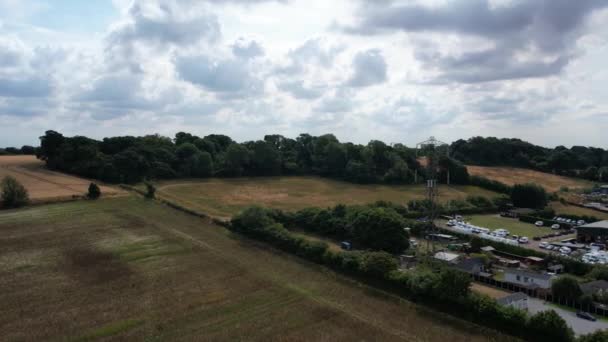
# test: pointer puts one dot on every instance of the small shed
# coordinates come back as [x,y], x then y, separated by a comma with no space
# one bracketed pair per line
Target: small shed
[447,257]
[488,249]
[471,266]
[517,300]
[557,269]
[531,260]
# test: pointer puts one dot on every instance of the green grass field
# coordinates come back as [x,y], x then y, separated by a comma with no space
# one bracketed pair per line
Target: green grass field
[226,197]
[129,269]
[514,226]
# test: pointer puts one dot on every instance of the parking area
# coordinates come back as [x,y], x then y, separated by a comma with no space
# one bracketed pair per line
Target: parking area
[579,325]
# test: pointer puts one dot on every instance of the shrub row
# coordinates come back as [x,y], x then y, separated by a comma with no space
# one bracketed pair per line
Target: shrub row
[490,184]
[442,288]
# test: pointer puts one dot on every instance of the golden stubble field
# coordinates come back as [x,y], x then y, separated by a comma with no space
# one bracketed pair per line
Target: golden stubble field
[225,197]
[127,269]
[513,175]
[44,185]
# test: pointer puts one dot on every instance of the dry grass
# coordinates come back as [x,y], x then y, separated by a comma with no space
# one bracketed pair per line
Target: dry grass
[575,210]
[226,197]
[128,269]
[512,175]
[488,291]
[44,185]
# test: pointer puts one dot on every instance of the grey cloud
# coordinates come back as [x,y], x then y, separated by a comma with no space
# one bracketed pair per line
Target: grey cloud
[544,30]
[339,102]
[300,91]
[113,95]
[166,27]
[9,58]
[369,69]
[243,49]
[33,86]
[313,51]
[26,107]
[219,76]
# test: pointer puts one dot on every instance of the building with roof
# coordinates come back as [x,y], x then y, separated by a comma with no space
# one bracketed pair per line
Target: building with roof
[593,232]
[528,279]
[447,257]
[471,266]
[518,300]
[593,287]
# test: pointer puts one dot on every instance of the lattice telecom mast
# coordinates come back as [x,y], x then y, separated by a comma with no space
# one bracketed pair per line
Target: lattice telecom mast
[433,150]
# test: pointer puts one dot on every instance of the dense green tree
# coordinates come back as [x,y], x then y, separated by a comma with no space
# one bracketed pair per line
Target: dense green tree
[94,192]
[380,229]
[150,190]
[549,326]
[599,273]
[266,159]
[50,143]
[378,264]
[566,287]
[13,194]
[529,196]
[453,284]
[237,158]
[598,336]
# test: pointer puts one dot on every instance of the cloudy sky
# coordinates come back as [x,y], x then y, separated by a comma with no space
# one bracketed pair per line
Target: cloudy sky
[397,71]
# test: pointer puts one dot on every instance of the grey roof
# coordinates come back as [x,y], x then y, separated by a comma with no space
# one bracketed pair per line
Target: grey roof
[594,286]
[514,297]
[529,274]
[469,265]
[557,267]
[598,224]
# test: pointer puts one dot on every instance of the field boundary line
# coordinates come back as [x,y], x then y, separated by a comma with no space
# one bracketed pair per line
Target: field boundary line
[294,287]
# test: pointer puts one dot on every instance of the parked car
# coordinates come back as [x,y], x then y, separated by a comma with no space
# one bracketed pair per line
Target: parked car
[585,315]
[539,223]
[555,226]
[565,250]
[543,244]
[550,248]
[523,239]
[413,243]
[581,222]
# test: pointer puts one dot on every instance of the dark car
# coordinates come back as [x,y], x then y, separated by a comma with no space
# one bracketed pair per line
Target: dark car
[585,315]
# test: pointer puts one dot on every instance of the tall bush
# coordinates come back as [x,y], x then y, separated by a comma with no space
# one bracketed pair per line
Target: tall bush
[14,194]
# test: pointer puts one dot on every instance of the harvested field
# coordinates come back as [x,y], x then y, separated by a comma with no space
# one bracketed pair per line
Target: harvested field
[44,185]
[513,175]
[128,269]
[569,209]
[226,197]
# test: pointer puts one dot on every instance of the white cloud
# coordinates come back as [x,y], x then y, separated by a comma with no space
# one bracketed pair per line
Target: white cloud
[249,68]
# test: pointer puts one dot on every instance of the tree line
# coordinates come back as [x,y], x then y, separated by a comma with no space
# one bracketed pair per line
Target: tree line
[578,161]
[436,285]
[130,159]
[23,150]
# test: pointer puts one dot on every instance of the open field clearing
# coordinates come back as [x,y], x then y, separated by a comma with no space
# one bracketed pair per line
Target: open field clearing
[514,226]
[513,175]
[129,269]
[226,197]
[44,185]
[488,290]
[575,210]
